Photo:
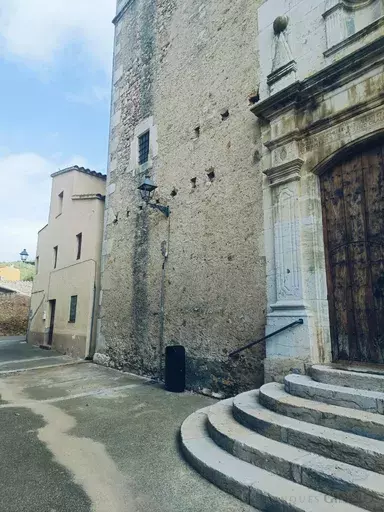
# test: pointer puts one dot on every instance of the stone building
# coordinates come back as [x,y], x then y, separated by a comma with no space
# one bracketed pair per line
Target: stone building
[275,217]
[321,110]
[307,443]
[9,273]
[183,74]
[66,286]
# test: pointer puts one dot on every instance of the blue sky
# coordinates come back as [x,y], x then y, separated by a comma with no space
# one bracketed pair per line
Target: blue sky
[55,74]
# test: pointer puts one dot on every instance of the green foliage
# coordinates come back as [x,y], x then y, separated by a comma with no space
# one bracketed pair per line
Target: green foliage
[27,270]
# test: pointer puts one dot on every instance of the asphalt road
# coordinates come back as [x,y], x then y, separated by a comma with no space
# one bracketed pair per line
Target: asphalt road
[76,437]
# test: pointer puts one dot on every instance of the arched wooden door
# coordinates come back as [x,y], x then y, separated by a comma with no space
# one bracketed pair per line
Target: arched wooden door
[353,218]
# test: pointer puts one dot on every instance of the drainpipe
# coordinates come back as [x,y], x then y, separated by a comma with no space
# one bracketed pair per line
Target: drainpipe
[92,334]
[165,253]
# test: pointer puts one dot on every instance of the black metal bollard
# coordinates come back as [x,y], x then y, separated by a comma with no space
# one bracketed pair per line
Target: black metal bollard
[175,368]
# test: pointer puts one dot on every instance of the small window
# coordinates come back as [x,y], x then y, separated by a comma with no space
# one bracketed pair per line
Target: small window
[37,264]
[73,309]
[61,199]
[143,148]
[55,253]
[79,239]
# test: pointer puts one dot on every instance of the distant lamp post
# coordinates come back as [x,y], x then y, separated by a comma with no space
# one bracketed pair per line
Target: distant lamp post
[147,189]
[24,255]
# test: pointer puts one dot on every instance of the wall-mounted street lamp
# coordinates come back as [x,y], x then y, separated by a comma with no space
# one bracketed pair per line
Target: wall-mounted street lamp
[24,255]
[147,189]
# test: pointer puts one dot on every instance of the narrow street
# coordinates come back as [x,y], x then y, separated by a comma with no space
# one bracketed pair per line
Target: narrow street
[80,437]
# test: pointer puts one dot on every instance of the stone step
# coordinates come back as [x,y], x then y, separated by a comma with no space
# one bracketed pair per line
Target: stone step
[259,488]
[274,397]
[349,448]
[343,481]
[351,379]
[355,366]
[305,387]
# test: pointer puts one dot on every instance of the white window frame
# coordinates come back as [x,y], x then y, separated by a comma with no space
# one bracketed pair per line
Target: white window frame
[147,125]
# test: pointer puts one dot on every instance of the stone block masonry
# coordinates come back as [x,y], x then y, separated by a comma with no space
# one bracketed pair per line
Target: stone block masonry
[184,72]
[14,310]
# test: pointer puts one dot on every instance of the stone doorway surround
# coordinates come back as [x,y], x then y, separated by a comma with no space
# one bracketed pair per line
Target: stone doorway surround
[308,122]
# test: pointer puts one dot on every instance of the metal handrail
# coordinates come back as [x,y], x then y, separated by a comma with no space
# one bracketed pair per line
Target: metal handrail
[253,343]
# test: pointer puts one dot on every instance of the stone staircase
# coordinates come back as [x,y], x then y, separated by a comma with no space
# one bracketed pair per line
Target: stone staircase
[313,444]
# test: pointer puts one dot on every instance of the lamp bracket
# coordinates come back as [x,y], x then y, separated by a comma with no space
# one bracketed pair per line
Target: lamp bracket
[163,209]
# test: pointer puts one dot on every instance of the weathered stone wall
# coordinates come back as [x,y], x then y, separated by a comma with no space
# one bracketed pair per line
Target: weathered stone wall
[190,67]
[14,309]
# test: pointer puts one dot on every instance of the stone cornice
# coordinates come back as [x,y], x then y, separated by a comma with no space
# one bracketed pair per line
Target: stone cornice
[122,11]
[294,135]
[284,173]
[277,75]
[282,100]
[323,124]
[351,5]
[331,77]
[82,197]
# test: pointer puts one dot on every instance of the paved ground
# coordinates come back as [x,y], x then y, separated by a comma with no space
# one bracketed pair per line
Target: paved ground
[75,437]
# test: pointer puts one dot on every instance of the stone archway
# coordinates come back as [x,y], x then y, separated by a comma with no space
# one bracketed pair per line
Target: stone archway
[353,219]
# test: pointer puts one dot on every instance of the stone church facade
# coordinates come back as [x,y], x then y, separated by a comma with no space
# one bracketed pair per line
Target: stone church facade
[260,123]
[322,116]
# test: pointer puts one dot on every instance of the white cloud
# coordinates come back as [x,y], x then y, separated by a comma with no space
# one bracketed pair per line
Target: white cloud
[38,30]
[96,94]
[26,187]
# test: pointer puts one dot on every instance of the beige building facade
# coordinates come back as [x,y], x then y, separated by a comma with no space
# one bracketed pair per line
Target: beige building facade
[9,273]
[67,283]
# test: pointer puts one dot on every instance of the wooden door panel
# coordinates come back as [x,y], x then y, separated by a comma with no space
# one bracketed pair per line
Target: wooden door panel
[358,261]
[353,217]
[333,195]
[373,164]
[341,301]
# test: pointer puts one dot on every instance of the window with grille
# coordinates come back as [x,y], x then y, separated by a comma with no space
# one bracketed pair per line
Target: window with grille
[73,309]
[144,148]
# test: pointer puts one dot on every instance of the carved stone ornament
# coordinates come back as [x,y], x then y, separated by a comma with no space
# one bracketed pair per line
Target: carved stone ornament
[280,24]
[284,173]
[283,64]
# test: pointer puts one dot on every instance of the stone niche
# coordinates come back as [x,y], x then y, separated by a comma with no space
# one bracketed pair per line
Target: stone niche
[349,20]
[307,125]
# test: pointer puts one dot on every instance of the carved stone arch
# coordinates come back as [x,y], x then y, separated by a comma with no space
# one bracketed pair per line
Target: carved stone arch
[351,147]
[356,4]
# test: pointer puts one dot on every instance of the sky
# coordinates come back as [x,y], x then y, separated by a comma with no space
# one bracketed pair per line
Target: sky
[55,74]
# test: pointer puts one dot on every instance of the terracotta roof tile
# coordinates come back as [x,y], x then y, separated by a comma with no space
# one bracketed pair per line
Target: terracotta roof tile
[80,169]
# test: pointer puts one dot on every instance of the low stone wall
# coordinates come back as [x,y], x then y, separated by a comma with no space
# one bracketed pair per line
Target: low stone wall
[14,311]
